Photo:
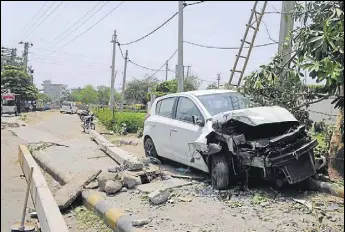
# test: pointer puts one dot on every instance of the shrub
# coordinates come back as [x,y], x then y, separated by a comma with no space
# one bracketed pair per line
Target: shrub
[126,122]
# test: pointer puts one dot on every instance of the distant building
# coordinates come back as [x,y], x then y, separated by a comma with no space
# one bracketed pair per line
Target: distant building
[54,91]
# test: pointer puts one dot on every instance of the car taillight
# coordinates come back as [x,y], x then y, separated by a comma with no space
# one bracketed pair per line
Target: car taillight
[147,116]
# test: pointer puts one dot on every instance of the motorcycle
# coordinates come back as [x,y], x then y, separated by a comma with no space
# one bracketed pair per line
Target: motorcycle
[83,113]
[88,124]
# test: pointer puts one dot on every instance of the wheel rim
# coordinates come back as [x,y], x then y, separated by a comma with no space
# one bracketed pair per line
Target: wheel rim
[149,149]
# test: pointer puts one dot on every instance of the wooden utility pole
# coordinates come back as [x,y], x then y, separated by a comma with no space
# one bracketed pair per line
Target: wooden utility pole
[124,82]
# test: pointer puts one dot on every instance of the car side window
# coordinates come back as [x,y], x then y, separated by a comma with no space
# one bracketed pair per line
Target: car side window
[165,107]
[186,109]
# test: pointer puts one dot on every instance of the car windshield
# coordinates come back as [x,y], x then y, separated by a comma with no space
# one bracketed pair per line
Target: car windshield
[222,102]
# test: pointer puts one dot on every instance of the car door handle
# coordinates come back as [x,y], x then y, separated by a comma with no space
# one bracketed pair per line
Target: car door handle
[174,130]
[153,125]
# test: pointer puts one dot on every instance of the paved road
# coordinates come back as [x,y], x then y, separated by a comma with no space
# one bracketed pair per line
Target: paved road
[82,154]
[13,185]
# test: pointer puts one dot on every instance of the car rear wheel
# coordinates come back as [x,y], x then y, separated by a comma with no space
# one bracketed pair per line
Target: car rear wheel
[220,172]
[150,149]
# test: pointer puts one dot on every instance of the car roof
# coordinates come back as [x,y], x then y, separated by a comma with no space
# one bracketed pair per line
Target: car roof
[202,92]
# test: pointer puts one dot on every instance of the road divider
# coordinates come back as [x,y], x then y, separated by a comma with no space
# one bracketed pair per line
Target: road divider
[48,213]
[122,157]
[115,217]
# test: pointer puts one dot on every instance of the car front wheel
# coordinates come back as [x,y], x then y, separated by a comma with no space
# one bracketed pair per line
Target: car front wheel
[220,172]
[150,149]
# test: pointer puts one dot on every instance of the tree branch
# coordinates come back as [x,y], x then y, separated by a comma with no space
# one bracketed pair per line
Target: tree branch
[310,103]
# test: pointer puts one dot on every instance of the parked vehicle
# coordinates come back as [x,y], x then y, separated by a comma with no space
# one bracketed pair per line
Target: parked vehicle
[8,104]
[222,133]
[68,107]
[88,123]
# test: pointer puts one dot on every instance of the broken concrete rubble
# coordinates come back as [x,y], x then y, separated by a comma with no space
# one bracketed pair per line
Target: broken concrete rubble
[159,196]
[112,187]
[104,177]
[129,180]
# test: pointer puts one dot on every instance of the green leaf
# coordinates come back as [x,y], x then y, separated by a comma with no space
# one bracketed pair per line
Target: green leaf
[315,39]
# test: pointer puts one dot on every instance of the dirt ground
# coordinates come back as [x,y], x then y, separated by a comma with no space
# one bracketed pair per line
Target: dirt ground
[193,208]
[260,208]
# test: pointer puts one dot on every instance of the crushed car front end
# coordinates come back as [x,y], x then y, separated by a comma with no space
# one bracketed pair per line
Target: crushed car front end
[265,141]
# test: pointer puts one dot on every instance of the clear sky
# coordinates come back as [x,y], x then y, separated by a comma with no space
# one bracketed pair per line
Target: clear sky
[87,59]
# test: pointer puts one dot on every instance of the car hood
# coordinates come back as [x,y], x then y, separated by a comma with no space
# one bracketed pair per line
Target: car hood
[256,116]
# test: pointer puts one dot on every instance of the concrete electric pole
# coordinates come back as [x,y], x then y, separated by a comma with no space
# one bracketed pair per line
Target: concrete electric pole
[218,79]
[124,82]
[180,73]
[166,70]
[112,82]
[26,54]
[286,26]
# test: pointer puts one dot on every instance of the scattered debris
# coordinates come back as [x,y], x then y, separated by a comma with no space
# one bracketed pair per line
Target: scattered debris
[140,222]
[165,184]
[104,177]
[66,195]
[306,203]
[185,199]
[129,180]
[112,187]
[43,145]
[92,185]
[183,170]
[159,196]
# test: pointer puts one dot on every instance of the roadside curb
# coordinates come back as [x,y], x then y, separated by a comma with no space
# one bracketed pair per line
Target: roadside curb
[49,215]
[119,155]
[115,217]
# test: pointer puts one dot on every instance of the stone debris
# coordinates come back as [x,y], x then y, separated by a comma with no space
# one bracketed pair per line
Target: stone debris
[159,196]
[129,180]
[92,185]
[104,177]
[112,187]
[133,164]
[140,222]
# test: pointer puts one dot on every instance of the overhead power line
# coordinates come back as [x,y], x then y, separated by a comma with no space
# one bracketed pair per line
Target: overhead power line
[32,19]
[150,33]
[89,28]
[59,38]
[45,18]
[160,26]
[157,70]
[227,48]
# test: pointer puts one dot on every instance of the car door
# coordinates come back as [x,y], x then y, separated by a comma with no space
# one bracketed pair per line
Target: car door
[159,125]
[184,131]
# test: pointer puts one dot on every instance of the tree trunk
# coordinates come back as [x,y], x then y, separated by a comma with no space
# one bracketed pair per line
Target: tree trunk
[336,148]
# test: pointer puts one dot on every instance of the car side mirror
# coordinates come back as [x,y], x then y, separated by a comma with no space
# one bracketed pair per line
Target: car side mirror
[197,121]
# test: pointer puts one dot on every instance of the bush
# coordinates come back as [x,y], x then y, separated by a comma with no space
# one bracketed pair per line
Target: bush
[126,122]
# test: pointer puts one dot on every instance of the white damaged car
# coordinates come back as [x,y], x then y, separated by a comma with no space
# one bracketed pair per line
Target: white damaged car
[222,133]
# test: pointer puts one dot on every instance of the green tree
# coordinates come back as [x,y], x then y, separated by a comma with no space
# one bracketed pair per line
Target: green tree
[190,83]
[19,82]
[318,47]
[103,93]
[88,95]
[136,90]
[44,97]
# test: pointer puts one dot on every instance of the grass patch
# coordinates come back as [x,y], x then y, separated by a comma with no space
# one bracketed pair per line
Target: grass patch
[87,219]
[259,198]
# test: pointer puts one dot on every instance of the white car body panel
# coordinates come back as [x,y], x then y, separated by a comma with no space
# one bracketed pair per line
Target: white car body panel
[68,107]
[173,138]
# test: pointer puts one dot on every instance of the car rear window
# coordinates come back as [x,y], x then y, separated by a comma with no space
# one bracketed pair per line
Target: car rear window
[164,107]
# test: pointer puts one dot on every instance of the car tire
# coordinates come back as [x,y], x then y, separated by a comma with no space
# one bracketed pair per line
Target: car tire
[150,149]
[220,175]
